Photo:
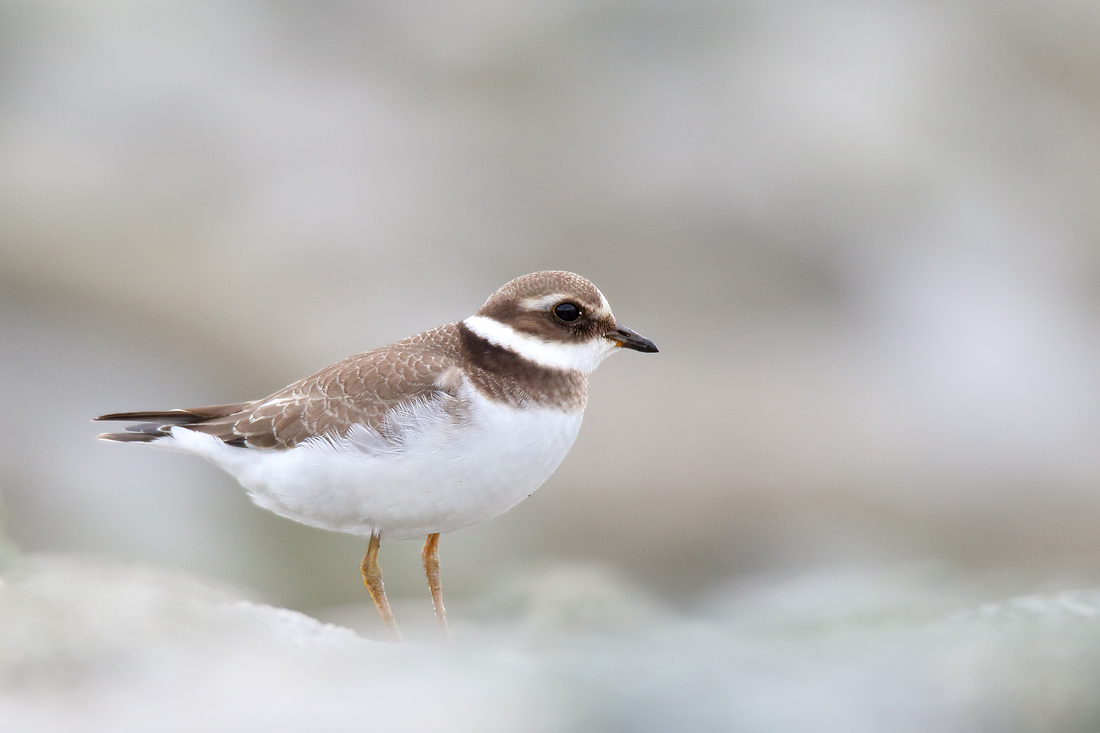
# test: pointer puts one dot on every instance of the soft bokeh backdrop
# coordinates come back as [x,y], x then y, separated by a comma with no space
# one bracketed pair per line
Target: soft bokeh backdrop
[864,234]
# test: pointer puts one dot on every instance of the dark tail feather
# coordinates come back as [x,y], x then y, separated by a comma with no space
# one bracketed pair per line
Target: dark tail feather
[177,416]
[130,437]
[153,425]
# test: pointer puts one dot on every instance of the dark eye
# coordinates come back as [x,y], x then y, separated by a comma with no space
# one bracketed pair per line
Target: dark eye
[568,312]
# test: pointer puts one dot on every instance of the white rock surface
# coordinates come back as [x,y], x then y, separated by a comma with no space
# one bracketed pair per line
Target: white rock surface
[93,645]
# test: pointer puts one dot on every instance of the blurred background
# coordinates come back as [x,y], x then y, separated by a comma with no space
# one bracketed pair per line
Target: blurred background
[864,234]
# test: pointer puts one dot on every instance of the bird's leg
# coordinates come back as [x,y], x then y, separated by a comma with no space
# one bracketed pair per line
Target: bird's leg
[372,577]
[431,567]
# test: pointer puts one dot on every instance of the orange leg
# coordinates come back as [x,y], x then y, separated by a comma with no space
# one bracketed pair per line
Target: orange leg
[431,567]
[372,577]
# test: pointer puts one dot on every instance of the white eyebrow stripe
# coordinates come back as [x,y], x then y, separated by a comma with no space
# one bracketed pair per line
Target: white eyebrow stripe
[583,356]
[543,302]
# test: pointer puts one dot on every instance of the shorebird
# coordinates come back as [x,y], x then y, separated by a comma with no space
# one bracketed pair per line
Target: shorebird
[433,433]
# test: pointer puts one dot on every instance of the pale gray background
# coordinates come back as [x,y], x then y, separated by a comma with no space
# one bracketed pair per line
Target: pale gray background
[864,235]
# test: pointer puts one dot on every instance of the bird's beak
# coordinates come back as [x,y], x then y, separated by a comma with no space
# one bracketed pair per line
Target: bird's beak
[627,339]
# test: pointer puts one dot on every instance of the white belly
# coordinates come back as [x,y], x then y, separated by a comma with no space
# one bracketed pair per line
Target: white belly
[446,475]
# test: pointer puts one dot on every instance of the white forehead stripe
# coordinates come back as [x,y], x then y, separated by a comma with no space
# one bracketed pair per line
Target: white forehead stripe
[584,356]
[605,308]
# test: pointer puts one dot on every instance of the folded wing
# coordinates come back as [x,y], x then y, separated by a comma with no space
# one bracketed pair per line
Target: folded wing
[359,390]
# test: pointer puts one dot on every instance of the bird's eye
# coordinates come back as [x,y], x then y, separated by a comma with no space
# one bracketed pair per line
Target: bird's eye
[567,312]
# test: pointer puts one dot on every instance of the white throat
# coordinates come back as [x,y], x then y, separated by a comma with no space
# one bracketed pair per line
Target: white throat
[582,357]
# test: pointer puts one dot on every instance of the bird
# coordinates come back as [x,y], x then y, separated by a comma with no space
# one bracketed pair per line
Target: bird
[430,434]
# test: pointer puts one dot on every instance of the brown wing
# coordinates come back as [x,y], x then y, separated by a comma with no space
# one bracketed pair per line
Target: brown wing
[357,390]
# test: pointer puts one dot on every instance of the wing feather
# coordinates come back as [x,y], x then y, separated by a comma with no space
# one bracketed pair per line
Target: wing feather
[358,391]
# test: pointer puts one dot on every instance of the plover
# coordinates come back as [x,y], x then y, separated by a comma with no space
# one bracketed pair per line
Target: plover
[433,433]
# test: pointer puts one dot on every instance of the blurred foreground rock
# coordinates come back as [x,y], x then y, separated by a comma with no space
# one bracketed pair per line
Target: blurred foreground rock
[97,646]
[93,645]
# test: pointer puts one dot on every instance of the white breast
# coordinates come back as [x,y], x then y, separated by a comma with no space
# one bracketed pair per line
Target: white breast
[444,474]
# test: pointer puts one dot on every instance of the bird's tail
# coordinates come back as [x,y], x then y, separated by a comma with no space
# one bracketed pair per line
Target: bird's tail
[148,426]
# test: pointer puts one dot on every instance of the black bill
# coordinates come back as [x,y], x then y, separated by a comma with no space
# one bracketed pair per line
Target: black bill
[628,339]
